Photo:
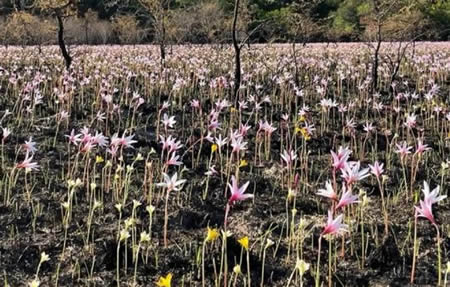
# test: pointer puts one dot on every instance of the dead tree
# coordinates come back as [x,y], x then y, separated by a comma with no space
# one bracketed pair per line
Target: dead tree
[159,11]
[237,52]
[60,9]
[381,10]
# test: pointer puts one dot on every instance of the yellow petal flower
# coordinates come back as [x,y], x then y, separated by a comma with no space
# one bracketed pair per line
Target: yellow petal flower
[212,234]
[213,148]
[237,269]
[301,266]
[244,242]
[243,163]
[99,159]
[164,281]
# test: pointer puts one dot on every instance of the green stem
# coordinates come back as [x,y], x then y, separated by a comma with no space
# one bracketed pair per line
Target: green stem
[318,263]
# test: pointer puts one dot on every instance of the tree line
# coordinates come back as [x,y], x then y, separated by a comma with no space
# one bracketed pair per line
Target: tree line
[33,22]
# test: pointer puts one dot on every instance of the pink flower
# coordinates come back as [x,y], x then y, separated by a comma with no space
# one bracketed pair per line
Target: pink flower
[347,198]
[221,142]
[340,159]
[214,124]
[5,133]
[352,174]
[403,149]
[288,157]
[433,196]
[127,141]
[168,121]
[425,210]
[328,191]
[87,147]
[243,129]
[211,171]
[266,127]
[172,183]
[164,106]
[238,144]
[99,139]
[421,148]
[334,226]
[195,104]
[174,160]
[368,127]
[73,138]
[376,169]
[27,164]
[410,121]
[166,142]
[30,146]
[237,193]
[430,198]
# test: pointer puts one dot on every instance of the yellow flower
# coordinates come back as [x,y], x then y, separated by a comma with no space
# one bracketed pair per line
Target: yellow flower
[233,110]
[44,257]
[99,159]
[213,148]
[212,235]
[301,266]
[305,133]
[291,194]
[237,269]
[297,130]
[244,242]
[243,163]
[301,119]
[164,281]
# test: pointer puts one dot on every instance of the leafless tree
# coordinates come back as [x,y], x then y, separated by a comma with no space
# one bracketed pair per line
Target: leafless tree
[60,9]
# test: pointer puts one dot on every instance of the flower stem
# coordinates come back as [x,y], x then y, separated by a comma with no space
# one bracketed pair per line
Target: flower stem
[318,263]
[413,269]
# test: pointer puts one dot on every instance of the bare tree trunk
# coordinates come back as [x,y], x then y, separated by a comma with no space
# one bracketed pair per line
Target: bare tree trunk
[294,54]
[376,61]
[86,32]
[61,43]
[162,44]
[237,53]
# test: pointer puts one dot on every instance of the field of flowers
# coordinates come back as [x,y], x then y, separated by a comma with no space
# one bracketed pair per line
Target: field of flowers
[122,172]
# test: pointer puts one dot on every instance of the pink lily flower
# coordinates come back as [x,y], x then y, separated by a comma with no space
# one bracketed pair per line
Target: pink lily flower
[172,183]
[340,159]
[376,169]
[5,133]
[334,226]
[433,196]
[288,157]
[425,210]
[237,193]
[347,198]
[421,148]
[27,164]
[238,144]
[30,146]
[403,149]
[73,138]
[328,191]
[174,160]
[352,174]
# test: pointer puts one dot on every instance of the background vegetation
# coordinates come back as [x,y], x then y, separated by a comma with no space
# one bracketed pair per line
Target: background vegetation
[29,22]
